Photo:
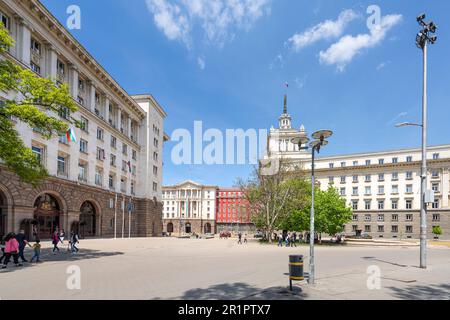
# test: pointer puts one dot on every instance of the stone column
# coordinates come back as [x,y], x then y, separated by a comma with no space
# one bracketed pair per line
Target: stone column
[20,213]
[68,219]
[129,126]
[24,42]
[445,187]
[51,61]
[73,81]
[92,103]
[108,116]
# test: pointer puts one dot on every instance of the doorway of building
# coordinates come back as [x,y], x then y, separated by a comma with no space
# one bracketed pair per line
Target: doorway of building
[47,214]
[188,228]
[207,228]
[170,227]
[88,216]
[3,215]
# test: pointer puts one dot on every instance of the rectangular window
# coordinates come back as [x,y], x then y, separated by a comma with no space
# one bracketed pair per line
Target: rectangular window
[35,68]
[409,229]
[83,146]
[84,124]
[367,162]
[435,204]
[435,156]
[82,172]
[124,149]
[155,156]
[435,187]
[155,170]
[394,160]
[381,205]
[355,205]
[368,191]
[100,134]
[331,180]
[355,217]
[394,176]
[62,168]
[435,174]
[123,185]
[133,170]
[380,228]
[409,159]
[355,191]
[113,161]
[381,177]
[134,154]
[98,177]
[409,217]
[394,229]
[409,175]
[367,217]
[331,165]
[367,204]
[395,217]
[380,190]
[367,228]
[436,217]
[63,139]
[355,163]
[409,188]
[39,153]
[5,20]
[408,204]
[380,218]
[100,154]
[354,228]
[380,161]
[155,187]
[342,164]
[394,204]
[133,191]
[124,166]
[113,142]
[111,182]
[394,189]
[342,191]
[355,179]
[368,178]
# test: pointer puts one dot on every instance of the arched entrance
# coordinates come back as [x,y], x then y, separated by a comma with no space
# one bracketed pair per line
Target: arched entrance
[170,227]
[88,216]
[188,228]
[3,214]
[207,228]
[47,212]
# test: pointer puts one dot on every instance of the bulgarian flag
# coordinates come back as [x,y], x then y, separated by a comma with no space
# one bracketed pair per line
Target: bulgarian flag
[70,135]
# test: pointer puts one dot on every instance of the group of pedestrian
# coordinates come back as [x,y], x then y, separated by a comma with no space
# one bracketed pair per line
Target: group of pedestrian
[240,238]
[13,245]
[289,239]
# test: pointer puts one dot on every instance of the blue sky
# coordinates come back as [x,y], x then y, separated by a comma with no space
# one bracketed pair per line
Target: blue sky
[225,63]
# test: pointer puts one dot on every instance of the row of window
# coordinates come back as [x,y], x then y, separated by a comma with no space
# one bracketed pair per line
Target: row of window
[381,177]
[394,204]
[394,217]
[409,189]
[380,161]
[168,215]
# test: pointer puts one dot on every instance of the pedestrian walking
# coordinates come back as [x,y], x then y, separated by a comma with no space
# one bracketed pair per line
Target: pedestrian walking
[293,236]
[240,238]
[23,241]
[11,249]
[2,247]
[245,238]
[62,234]
[280,241]
[300,237]
[287,239]
[74,241]
[36,251]
[55,241]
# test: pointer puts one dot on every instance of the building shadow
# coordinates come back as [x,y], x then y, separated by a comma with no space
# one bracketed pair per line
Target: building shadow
[422,292]
[384,261]
[242,291]
[63,255]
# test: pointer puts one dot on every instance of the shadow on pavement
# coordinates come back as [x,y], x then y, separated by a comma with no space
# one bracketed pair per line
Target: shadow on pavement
[63,255]
[384,261]
[423,292]
[243,291]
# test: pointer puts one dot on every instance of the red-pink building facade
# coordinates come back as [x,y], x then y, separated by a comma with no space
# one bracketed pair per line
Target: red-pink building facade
[232,211]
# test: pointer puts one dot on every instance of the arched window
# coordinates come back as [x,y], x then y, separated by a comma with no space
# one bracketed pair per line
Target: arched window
[87,220]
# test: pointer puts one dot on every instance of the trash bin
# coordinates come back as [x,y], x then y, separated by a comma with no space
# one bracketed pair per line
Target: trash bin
[295,269]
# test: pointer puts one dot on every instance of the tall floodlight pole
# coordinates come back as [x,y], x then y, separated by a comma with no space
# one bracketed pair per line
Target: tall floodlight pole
[316,145]
[422,40]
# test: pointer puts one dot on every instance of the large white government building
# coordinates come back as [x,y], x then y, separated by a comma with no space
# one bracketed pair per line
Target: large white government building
[110,181]
[383,188]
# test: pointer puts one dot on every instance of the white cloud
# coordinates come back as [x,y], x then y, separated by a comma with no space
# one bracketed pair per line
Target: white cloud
[396,118]
[382,65]
[328,29]
[201,63]
[342,52]
[277,61]
[218,19]
[300,82]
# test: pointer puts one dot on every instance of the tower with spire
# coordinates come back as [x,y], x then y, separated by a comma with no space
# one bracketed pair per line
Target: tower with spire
[285,120]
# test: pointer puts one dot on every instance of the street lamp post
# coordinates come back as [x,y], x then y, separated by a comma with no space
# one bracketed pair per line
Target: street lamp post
[319,141]
[422,40]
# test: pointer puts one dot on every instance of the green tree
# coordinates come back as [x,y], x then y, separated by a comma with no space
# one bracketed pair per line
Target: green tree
[36,102]
[330,213]
[272,198]
[437,230]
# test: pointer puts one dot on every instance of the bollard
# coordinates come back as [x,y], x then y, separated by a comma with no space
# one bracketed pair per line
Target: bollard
[295,269]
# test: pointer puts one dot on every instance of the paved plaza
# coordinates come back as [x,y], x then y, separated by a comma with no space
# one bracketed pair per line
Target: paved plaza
[170,268]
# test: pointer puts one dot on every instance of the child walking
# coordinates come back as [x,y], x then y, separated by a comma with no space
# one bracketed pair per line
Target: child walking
[37,251]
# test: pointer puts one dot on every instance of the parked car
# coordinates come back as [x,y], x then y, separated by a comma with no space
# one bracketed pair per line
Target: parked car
[225,234]
[259,235]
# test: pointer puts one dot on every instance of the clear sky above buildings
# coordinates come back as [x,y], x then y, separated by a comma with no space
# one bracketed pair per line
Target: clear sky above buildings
[225,63]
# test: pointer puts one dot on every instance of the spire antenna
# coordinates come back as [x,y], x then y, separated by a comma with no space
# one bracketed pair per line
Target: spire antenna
[285,104]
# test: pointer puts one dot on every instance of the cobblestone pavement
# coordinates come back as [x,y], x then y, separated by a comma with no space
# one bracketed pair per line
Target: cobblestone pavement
[169,268]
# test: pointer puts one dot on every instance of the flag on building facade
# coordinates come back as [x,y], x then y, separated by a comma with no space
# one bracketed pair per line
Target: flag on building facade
[70,135]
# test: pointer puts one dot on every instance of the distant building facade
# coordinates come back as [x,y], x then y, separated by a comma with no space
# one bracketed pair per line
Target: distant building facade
[383,188]
[188,208]
[108,182]
[232,211]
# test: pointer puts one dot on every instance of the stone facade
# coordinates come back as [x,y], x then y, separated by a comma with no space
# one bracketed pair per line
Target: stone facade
[18,201]
[197,226]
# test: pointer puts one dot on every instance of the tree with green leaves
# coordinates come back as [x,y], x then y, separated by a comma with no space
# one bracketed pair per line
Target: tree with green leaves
[331,213]
[272,198]
[37,102]
[437,231]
